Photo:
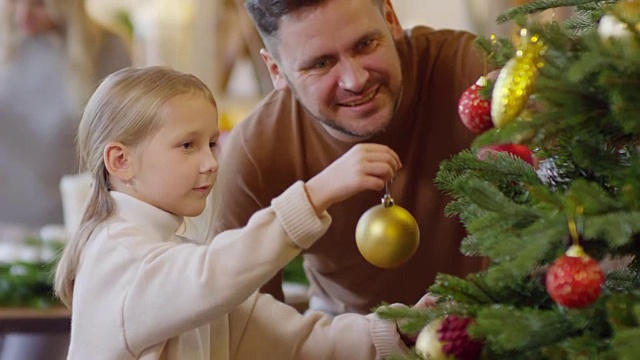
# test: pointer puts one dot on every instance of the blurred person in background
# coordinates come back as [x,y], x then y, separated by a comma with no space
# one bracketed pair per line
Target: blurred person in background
[52,56]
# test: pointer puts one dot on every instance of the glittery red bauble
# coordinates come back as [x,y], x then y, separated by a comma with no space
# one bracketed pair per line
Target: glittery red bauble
[521,151]
[475,111]
[575,280]
[455,339]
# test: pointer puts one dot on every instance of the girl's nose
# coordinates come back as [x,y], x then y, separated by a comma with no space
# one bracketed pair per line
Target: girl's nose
[209,163]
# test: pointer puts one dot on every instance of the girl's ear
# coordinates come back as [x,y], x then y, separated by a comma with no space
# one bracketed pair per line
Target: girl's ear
[118,161]
[277,78]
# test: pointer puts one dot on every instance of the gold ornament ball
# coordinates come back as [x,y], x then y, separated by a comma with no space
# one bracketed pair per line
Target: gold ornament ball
[387,235]
[428,345]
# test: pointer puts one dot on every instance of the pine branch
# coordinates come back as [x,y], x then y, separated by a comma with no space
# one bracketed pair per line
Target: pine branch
[489,198]
[410,319]
[538,6]
[626,345]
[497,51]
[510,330]
[621,310]
[580,23]
[464,291]
[587,346]
[617,228]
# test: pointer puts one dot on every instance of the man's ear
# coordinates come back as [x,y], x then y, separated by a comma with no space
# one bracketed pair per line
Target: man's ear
[392,20]
[277,78]
[117,160]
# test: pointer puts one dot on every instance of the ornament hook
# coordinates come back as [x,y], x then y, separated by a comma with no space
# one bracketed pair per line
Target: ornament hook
[574,228]
[387,200]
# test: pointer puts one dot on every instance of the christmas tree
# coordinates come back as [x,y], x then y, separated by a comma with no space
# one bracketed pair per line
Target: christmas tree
[549,193]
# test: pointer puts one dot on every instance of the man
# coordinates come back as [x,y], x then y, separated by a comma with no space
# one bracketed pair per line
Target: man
[346,72]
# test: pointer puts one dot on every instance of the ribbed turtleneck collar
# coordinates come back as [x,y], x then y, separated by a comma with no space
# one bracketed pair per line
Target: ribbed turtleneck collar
[145,215]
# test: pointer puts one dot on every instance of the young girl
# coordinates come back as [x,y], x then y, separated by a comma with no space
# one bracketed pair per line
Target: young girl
[140,290]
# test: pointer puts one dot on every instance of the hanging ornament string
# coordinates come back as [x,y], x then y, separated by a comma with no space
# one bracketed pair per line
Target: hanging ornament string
[575,229]
[387,200]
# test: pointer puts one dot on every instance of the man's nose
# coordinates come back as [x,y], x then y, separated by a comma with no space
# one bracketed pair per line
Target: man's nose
[353,76]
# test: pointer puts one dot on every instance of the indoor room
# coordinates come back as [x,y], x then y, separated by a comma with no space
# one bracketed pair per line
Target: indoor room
[331,179]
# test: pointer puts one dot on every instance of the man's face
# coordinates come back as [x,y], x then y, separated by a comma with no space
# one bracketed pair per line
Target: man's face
[340,61]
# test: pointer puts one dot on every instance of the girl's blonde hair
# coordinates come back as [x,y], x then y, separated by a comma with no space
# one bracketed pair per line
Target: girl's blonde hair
[126,108]
[82,39]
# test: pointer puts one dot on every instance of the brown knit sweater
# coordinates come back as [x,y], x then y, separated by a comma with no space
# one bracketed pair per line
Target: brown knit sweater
[280,143]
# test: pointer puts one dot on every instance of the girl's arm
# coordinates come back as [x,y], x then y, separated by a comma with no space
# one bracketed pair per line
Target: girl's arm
[265,326]
[182,286]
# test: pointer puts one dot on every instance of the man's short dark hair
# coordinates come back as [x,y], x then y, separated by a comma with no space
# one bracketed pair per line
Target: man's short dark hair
[266,14]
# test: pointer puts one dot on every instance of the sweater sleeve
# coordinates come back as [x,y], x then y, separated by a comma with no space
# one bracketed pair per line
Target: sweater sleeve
[203,282]
[265,328]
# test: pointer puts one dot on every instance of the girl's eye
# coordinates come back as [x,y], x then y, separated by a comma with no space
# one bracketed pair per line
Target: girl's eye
[188,145]
[213,145]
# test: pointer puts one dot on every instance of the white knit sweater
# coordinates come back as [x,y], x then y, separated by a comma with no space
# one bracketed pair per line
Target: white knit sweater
[143,292]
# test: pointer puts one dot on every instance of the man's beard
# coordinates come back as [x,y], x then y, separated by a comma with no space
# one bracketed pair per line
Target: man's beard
[341,129]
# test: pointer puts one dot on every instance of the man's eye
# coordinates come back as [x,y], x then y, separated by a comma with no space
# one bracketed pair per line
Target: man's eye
[366,44]
[321,64]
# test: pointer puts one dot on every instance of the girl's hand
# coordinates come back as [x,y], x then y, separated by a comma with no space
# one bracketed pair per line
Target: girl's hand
[363,167]
[426,302]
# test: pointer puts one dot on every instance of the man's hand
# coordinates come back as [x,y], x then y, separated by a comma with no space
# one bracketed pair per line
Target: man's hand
[363,167]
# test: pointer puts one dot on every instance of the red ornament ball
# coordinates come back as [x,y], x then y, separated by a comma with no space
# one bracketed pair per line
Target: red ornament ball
[455,339]
[521,151]
[475,111]
[446,339]
[575,279]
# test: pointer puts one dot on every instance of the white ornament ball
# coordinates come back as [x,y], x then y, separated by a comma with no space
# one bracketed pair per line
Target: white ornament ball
[610,27]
